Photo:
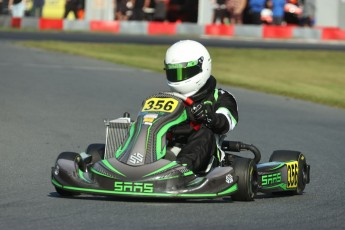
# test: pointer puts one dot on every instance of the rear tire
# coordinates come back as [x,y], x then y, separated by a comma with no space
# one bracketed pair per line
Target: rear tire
[287,155]
[247,183]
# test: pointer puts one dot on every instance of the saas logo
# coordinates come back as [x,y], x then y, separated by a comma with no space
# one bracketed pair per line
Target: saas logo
[136,158]
[229,179]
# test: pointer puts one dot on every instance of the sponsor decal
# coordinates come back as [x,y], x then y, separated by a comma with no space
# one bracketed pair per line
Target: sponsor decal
[229,179]
[271,178]
[120,186]
[167,105]
[149,118]
[292,170]
[136,158]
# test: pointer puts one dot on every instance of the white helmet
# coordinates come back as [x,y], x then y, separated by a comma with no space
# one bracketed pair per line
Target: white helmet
[187,66]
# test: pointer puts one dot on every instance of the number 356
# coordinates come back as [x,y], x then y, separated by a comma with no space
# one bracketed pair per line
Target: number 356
[159,105]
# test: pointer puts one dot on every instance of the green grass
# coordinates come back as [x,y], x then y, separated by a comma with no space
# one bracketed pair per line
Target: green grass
[317,76]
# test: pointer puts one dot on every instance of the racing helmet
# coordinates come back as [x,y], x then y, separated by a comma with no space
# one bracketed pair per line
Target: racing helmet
[187,67]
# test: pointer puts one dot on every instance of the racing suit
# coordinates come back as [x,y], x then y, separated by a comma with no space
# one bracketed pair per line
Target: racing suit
[200,144]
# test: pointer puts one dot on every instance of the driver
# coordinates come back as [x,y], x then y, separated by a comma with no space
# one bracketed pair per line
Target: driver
[214,112]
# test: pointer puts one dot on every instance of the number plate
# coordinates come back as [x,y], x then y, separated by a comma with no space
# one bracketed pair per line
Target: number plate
[154,104]
[292,168]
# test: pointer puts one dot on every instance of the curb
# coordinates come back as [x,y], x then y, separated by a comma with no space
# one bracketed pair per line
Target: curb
[168,28]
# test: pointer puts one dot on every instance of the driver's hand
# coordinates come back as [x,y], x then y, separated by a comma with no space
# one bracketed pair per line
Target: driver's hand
[203,113]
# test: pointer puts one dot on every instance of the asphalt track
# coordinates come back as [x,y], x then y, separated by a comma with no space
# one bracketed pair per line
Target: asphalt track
[52,102]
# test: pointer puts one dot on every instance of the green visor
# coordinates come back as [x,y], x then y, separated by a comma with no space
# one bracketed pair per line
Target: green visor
[183,71]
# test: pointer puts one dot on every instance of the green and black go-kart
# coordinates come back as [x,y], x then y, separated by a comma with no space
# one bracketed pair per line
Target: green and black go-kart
[138,161]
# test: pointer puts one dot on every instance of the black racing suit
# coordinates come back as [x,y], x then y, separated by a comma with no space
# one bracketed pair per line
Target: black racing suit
[199,144]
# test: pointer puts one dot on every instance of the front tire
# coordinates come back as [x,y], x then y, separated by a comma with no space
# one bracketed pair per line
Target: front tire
[303,168]
[246,171]
[71,156]
[96,151]
[65,193]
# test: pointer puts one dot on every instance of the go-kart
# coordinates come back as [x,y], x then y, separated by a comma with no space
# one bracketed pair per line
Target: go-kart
[137,161]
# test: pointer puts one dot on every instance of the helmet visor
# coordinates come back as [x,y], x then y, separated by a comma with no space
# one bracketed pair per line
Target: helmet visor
[183,71]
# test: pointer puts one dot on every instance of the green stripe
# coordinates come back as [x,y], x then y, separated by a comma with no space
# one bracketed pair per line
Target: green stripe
[56,183]
[148,133]
[119,151]
[81,175]
[192,63]
[170,165]
[179,74]
[101,174]
[279,166]
[188,173]
[281,185]
[229,190]
[218,155]
[138,193]
[160,151]
[106,163]
[195,195]
[215,95]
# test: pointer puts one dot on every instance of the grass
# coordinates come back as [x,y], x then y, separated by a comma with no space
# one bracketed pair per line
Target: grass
[317,76]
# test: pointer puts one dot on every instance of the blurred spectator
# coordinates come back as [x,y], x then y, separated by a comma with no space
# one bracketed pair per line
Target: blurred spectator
[138,9]
[255,8]
[293,12]
[182,11]
[236,8]
[277,7]
[17,8]
[37,8]
[309,10]
[81,9]
[0,6]
[149,10]
[122,10]
[267,15]
[71,5]
[219,13]
[160,10]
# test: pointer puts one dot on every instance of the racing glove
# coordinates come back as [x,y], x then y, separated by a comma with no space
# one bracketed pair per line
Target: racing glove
[203,113]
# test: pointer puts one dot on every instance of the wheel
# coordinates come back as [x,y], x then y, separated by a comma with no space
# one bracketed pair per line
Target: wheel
[96,151]
[247,183]
[303,168]
[62,192]
[72,156]
[68,156]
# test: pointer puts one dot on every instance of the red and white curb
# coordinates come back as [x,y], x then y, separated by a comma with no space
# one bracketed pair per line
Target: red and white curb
[167,28]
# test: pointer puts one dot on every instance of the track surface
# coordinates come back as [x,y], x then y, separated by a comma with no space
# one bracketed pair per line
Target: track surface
[51,103]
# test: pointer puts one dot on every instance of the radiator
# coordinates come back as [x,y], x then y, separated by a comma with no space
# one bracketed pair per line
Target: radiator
[116,133]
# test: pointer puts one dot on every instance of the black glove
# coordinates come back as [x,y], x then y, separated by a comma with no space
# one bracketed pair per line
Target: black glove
[203,113]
